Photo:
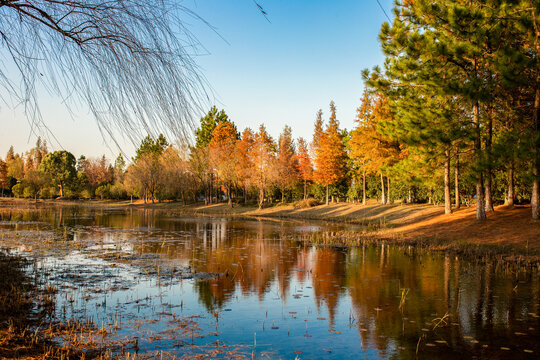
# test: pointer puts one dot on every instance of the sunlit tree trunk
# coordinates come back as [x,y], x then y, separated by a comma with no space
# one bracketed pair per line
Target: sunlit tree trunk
[326,194]
[535,196]
[447,198]
[388,201]
[456,181]
[383,196]
[489,201]
[364,188]
[480,203]
[509,201]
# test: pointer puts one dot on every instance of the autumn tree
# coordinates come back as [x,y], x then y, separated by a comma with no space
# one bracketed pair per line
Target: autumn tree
[263,158]
[305,165]
[286,164]
[222,153]
[244,165]
[330,154]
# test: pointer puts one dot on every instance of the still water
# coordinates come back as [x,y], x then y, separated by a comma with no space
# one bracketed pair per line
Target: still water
[182,286]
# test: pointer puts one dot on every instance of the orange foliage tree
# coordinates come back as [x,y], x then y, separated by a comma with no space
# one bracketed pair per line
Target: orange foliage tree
[263,158]
[286,164]
[244,165]
[330,154]
[304,164]
[370,149]
[222,152]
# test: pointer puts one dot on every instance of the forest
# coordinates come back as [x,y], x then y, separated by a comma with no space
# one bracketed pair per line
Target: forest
[451,117]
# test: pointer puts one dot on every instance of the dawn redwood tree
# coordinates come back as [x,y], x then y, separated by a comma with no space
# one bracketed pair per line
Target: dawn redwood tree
[222,153]
[60,167]
[371,148]
[264,151]
[244,165]
[330,154]
[305,164]
[287,173]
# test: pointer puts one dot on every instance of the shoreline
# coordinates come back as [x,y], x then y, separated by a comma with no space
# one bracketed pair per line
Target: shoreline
[508,232]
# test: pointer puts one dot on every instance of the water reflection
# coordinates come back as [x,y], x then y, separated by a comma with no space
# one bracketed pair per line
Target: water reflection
[373,301]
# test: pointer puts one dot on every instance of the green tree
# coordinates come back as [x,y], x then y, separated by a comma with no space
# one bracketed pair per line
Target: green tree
[151,146]
[60,166]
[203,135]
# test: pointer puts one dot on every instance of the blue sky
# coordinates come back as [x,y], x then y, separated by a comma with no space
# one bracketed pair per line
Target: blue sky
[277,72]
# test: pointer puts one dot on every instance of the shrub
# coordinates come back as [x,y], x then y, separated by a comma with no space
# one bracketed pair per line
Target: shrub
[18,190]
[307,203]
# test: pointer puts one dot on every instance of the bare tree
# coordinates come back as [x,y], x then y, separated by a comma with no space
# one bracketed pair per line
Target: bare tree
[131,62]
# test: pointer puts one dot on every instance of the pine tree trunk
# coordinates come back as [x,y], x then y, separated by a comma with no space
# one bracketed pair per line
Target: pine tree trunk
[364,189]
[535,196]
[447,198]
[480,204]
[456,181]
[326,194]
[489,201]
[383,196]
[510,192]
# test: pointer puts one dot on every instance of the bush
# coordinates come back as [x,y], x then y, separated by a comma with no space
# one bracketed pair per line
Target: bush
[304,204]
[85,194]
[48,192]
[18,190]
[29,192]
[104,191]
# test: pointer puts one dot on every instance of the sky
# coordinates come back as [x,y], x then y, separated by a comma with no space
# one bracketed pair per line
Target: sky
[275,71]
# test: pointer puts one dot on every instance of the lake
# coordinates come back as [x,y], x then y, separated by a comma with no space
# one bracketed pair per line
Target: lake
[177,286]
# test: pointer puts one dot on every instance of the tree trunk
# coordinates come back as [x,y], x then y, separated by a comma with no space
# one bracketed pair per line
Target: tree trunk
[61,191]
[489,201]
[229,197]
[535,196]
[261,197]
[326,194]
[383,196]
[388,201]
[364,189]
[282,196]
[305,189]
[456,181]
[510,192]
[480,204]
[447,198]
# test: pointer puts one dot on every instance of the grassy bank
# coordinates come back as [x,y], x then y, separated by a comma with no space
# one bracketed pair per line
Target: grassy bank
[506,228]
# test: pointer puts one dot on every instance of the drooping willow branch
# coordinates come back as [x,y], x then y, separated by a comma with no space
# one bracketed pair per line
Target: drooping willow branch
[131,62]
